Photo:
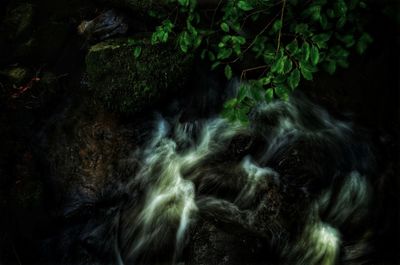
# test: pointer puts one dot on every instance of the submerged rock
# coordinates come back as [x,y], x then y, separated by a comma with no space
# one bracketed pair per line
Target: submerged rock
[129,83]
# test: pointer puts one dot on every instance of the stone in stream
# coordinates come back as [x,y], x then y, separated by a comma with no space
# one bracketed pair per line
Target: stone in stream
[128,83]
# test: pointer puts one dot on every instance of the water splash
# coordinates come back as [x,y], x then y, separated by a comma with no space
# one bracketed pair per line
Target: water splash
[202,168]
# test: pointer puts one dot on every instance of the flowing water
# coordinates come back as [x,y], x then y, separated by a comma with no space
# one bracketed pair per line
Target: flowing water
[242,175]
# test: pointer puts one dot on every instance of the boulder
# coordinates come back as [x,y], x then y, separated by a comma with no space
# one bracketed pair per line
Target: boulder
[128,83]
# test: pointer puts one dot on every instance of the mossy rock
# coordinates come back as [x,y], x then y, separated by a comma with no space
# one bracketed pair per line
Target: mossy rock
[140,5]
[128,84]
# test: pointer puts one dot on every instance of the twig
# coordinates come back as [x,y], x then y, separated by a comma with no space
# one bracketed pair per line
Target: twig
[259,11]
[280,30]
[251,69]
[16,254]
[215,13]
[255,38]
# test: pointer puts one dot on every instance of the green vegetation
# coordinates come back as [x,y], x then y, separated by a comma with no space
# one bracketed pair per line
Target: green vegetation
[271,44]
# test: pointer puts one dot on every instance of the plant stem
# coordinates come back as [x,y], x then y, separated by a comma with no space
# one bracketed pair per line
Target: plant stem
[280,30]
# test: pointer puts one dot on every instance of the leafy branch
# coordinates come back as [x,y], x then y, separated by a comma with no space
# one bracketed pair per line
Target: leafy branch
[316,35]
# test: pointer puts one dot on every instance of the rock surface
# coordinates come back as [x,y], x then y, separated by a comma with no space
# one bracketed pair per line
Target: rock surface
[129,84]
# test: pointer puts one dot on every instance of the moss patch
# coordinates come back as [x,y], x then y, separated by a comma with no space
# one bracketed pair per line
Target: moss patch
[128,84]
[139,5]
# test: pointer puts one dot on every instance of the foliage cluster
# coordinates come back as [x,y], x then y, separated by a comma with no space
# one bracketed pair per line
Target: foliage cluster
[271,44]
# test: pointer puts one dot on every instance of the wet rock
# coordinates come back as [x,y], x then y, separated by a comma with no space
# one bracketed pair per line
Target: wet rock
[211,245]
[129,83]
[84,152]
[105,25]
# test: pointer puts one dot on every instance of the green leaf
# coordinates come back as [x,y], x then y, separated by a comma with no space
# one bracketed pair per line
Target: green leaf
[279,79]
[215,65]
[224,53]
[243,91]
[241,115]
[324,22]
[294,79]
[269,56]
[321,38]
[184,41]
[330,67]
[342,20]
[183,2]
[224,27]
[229,114]
[314,55]
[197,41]
[330,13]
[228,71]
[203,54]
[306,71]
[164,37]
[305,49]
[363,42]
[343,63]
[314,11]
[211,56]
[239,39]
[306,74]
[245,5]
[282,92]
[340,8]
[154,38]
[230,104]
[301,29]
[292,47]
[137,51]
[277,26]
[278,66]
[237,49]
[168,25]
[269,95]
[348,40]
[324,37]
[256,92]
[265,80]
[131,42]
[287,65]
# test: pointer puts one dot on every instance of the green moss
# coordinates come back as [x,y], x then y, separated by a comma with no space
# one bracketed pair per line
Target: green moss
[128,84]
[18,74]
[139,5]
